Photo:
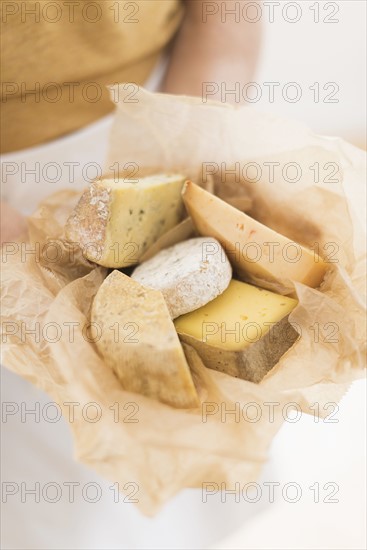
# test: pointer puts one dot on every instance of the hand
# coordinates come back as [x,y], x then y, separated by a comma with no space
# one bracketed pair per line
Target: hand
[215,53]
[13,224]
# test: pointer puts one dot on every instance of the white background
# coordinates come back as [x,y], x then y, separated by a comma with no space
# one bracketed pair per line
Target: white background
[307,52]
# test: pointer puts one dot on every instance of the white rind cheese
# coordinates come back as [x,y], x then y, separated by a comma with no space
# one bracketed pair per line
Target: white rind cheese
[189,274]
[115,222]
[139,342]
[259,254]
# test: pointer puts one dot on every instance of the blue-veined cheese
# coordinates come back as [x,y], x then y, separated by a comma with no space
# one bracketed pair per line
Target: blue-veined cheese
[115,222]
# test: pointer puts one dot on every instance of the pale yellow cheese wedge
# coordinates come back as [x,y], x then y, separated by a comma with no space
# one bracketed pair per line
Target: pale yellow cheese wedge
[139,342]
[258,254]
[243,332]
[115,222]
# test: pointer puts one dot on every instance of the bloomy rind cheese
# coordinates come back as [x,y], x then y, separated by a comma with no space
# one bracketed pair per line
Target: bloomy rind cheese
[244,332]
[115,222]
[189,274]
[259,254]
[147,356]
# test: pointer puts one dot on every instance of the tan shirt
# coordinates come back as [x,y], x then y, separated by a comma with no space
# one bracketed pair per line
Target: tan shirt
[57,57]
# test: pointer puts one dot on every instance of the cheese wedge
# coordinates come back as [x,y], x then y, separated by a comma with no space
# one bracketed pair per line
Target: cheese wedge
[139,342]
[243,332]
[258,254]
[180,232]
[115,222]
[189,274]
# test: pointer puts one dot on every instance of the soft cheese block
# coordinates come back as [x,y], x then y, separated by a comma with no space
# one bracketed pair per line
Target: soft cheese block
[259,254]
[139,342]
[243,332]
[115,222]
[189,274]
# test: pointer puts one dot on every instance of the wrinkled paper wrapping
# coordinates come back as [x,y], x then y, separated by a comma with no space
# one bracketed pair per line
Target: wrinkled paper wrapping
[138,440]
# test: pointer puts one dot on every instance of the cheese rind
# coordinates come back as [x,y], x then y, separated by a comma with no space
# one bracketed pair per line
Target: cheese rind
[139,342]
[258,253]
[243,332]
[189,274]
[115,222]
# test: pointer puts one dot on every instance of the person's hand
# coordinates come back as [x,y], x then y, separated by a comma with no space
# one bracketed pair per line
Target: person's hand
[214,54]
[12,223]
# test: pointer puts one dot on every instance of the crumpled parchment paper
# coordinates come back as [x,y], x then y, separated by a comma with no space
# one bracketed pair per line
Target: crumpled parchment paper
[308,187]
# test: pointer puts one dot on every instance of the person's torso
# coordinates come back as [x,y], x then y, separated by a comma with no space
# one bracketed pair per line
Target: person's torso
[57,58]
